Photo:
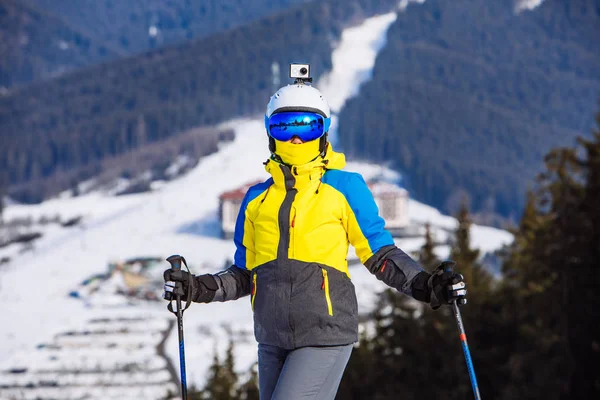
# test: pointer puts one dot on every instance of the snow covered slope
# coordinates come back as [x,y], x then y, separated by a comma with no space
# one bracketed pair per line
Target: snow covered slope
[522,5]
[180,217]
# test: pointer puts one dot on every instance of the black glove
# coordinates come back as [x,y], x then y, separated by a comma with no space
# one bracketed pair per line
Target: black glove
[446,286]
[440,287]
[202,288]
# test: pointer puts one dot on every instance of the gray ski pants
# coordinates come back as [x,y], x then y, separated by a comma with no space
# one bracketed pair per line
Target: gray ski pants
[306,373]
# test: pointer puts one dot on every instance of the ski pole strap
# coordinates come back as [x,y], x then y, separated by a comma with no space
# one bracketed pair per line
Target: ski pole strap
[170,307]
[188,300]
[175,265]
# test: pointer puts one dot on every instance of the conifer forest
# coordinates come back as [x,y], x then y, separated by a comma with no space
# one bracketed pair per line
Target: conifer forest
[132,130]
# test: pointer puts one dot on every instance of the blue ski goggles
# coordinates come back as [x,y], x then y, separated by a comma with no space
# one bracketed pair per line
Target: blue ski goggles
[306,125]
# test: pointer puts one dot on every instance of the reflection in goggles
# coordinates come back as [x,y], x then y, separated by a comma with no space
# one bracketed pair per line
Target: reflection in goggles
[307,126]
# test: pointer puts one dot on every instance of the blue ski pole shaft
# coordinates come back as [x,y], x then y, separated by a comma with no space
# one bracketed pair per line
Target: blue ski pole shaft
[465,347]
[181,348]
[175,260]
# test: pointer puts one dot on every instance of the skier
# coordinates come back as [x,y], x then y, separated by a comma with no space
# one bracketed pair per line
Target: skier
[292,235]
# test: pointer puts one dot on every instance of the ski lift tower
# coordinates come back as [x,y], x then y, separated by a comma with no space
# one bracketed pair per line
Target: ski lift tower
[276,75]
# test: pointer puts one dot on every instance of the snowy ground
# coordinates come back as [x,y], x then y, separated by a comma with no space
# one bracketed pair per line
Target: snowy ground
[107,357]
[179,217]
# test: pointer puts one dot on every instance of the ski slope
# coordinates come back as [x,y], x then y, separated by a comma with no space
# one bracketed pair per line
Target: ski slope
[529,5]
[178,217]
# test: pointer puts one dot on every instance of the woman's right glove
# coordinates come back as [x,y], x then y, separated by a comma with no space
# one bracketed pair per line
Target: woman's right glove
[202,288]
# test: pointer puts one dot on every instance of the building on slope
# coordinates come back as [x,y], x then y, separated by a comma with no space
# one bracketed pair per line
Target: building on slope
[391,200]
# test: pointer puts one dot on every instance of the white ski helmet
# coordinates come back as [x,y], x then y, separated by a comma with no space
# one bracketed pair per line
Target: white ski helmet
[298,97]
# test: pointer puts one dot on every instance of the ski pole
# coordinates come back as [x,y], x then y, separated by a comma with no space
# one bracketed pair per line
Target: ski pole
[463,339]
[175,261]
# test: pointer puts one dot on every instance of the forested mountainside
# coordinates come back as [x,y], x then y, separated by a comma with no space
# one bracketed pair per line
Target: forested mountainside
[468,96]
[82,117]
[44,38]
[35,44]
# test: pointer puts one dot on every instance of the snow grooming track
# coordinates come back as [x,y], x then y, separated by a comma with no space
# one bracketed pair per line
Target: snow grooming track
[108,358]
[352,64]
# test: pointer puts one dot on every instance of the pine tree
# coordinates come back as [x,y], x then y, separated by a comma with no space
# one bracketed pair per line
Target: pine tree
[483,316]
[534,335]
[412,342]
[212,387]
[582,277]
[249,390]
[553,280]
[427,257]
[466,258]
[222,379]
[230,377]
[172,395]
[359,377]
[529,219]
[462,252]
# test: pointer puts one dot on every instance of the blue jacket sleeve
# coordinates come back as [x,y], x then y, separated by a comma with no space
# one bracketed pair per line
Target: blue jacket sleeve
[234,282]
[374,245]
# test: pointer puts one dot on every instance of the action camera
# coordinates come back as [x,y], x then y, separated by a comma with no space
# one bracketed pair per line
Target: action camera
[299,71]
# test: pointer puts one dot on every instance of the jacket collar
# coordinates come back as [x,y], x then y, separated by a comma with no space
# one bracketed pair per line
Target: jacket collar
[306,175]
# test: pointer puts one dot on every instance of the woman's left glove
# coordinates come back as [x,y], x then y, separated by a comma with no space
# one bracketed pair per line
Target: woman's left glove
[443,286]
[446,286]
[203,287]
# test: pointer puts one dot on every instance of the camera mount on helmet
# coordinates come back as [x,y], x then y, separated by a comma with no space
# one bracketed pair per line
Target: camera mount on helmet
[300,96]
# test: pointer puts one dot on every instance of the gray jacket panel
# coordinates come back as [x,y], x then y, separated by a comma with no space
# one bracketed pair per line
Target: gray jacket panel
[399,273]
[233,283]
[298,304]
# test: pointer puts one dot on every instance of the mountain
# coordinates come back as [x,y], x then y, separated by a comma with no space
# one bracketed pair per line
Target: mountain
[35,45]
[468,96]
[45,38]
[78,119]
[110,333]
[138,25]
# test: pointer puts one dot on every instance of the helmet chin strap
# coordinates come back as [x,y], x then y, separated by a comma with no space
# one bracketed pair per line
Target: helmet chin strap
[271,144]
[323,144]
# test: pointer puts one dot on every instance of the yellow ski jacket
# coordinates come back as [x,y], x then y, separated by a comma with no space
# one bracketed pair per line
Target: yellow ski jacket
[292,236]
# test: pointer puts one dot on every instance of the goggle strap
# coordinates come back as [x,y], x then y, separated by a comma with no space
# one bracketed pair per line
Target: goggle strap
[298,109]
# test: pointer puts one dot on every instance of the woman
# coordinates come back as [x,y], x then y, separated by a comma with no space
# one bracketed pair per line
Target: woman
[292,236]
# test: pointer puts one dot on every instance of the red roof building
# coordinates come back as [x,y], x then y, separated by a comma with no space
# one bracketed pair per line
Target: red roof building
[229,207]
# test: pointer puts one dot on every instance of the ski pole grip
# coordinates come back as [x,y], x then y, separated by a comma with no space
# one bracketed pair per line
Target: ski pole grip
[448,266]
[175,261]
